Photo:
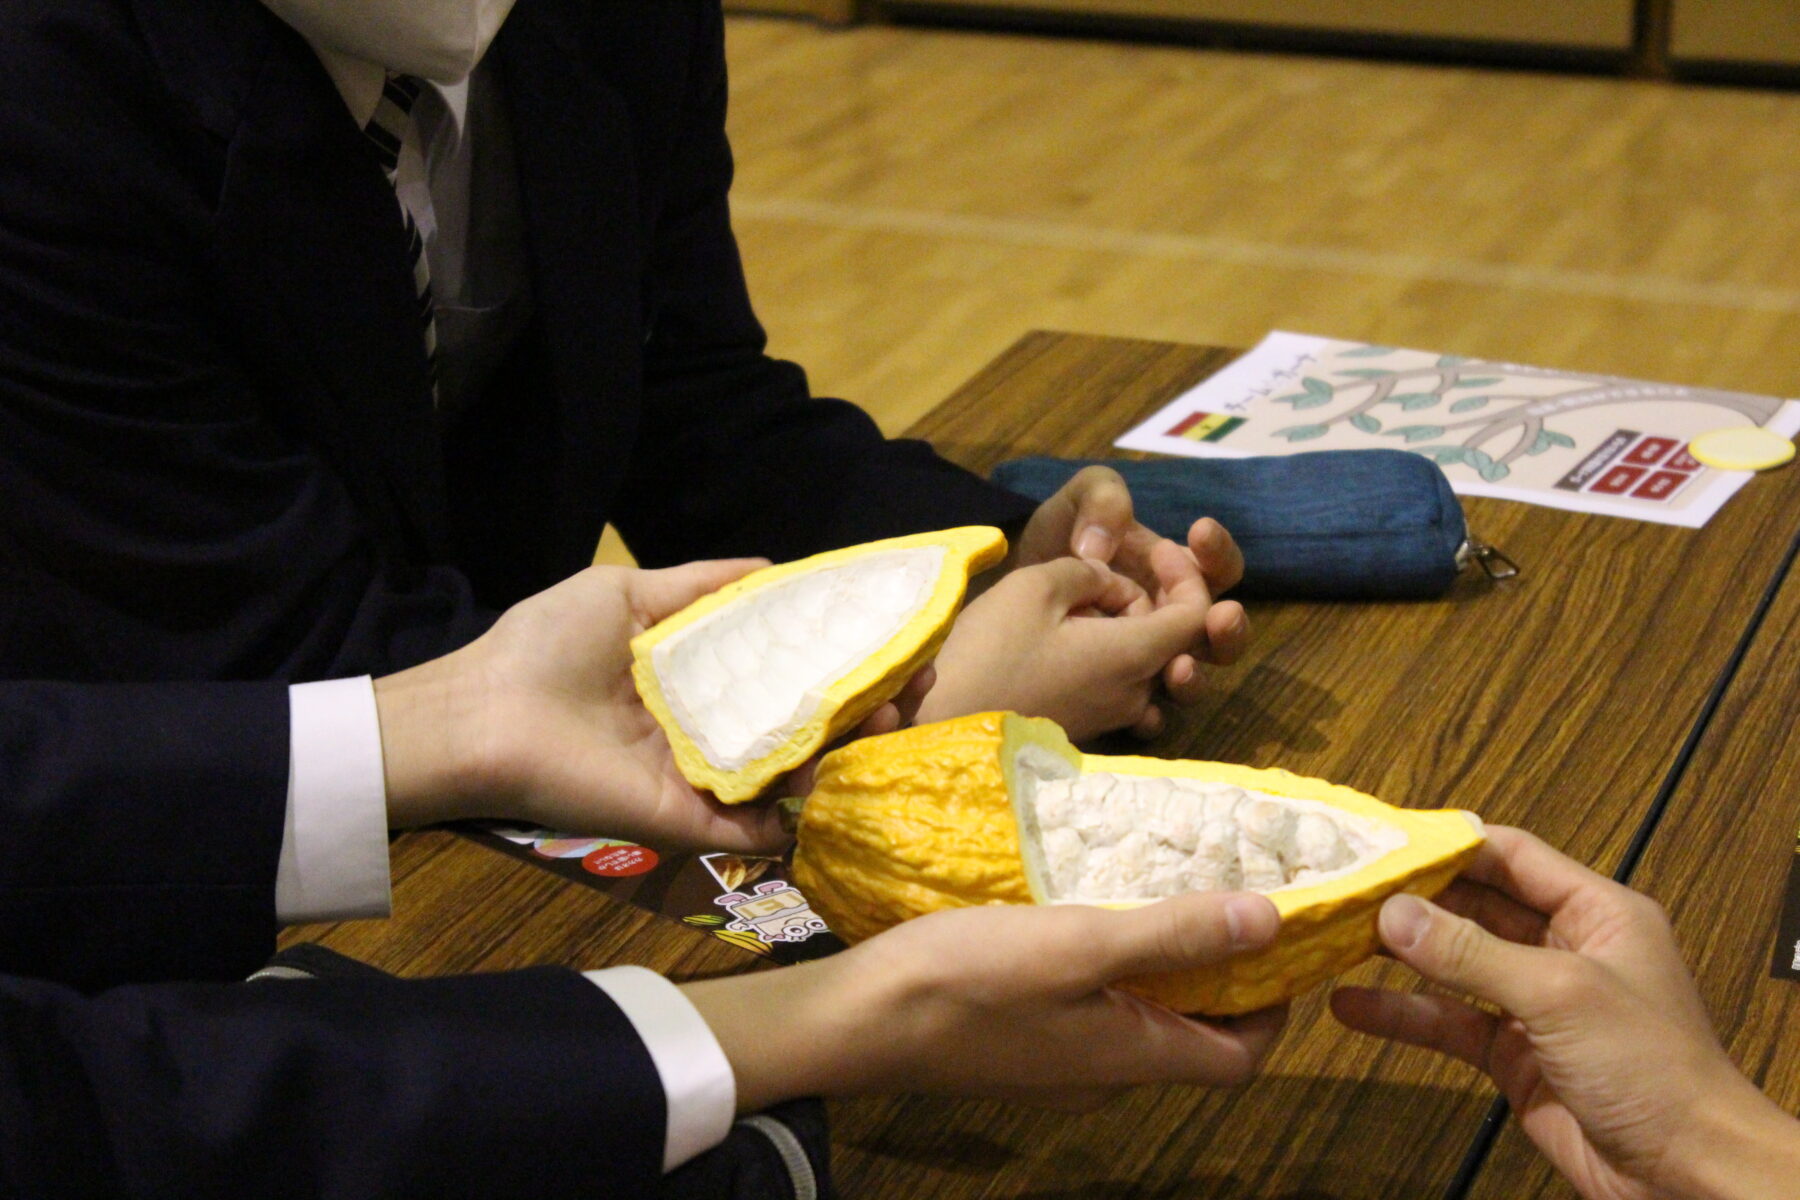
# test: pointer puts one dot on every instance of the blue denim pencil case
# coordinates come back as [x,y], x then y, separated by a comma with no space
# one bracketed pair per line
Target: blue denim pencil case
[1329,525]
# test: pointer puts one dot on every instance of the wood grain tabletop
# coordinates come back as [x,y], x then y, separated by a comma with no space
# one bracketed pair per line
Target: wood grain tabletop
[1559,701]
[1718,862]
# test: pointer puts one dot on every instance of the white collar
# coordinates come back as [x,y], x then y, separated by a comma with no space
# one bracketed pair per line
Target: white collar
[360,81]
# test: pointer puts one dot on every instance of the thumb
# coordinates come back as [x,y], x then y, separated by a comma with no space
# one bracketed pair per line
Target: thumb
[1458,953]
[1103,513]
[659,594]
[1191,930]
[1071,584]
[746,829]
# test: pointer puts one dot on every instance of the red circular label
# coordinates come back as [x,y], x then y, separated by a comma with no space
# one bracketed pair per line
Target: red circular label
[620,860]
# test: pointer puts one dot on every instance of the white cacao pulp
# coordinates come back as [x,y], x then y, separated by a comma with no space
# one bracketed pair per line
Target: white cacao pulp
[1106,837]
[742,679]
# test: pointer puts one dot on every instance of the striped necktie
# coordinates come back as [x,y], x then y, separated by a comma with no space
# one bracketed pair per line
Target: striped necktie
[386,130]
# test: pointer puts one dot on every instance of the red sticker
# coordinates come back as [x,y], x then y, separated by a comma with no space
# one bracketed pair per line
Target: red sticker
[1650,451]
[1661,485]
[1618,480]
[620,860]
[1683,461]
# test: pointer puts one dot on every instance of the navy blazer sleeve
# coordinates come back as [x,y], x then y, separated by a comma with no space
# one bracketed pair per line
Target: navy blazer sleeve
[140,828]
[735,456]
[528,1083]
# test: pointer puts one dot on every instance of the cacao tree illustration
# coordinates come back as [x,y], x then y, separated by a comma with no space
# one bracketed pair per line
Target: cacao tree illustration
[1500,428]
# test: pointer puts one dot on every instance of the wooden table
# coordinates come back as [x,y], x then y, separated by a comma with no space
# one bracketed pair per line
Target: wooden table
[1718,862]
[1561,701]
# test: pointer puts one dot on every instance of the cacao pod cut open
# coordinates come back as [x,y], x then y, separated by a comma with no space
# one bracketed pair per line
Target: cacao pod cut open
[1001,809]
[750,681]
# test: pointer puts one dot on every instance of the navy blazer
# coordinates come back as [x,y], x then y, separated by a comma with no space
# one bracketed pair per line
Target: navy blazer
[218,451]
[140,827]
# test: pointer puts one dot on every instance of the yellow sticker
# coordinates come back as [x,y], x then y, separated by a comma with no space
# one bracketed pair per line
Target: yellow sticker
[1745,448]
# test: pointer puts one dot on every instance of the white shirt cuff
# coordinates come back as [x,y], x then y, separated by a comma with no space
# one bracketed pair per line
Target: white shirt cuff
[334,847]
[696,1076]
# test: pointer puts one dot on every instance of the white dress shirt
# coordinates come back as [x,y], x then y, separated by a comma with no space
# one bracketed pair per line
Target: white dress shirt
[334,850]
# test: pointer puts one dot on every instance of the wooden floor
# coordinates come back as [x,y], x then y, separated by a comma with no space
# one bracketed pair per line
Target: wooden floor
[910,201]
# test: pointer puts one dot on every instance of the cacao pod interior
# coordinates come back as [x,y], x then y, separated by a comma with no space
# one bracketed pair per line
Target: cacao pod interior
[948,815]
[752,680]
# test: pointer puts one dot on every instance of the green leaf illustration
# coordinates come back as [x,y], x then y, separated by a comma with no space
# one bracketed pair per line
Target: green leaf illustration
[1310,400]
[1444,456]
[1296,398]
[1367,372]
[1540,443]
[1469,402]
[1367,352]
[1366,423]
[1413,401]
[1559,439]
[1484,463]
[1301,433]
[1317,387]
[1484,381]
[1417,433]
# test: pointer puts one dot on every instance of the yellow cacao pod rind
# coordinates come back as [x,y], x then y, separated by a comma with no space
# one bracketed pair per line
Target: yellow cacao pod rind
[920,820]
[844,704]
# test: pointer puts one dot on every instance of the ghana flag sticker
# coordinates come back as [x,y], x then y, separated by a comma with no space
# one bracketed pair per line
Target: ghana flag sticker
[1205,426]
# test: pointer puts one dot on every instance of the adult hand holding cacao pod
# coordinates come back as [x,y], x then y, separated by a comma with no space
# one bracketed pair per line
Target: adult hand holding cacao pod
[1011,1002]
[1589,1024]
[538,720]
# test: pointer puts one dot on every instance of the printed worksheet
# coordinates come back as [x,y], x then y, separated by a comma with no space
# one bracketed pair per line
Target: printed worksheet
[743,900]
[1591,443]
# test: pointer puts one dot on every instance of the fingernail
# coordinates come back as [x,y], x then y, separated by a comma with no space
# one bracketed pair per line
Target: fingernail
[1404,919]
[1250,920]
[1094,542]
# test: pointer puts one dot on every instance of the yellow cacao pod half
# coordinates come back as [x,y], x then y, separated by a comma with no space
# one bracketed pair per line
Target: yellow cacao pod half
[752,680]
[1001,809]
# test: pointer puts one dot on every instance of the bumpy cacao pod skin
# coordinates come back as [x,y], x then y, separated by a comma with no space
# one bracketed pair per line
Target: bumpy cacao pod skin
[842,703]
[924,819]
[921,823]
